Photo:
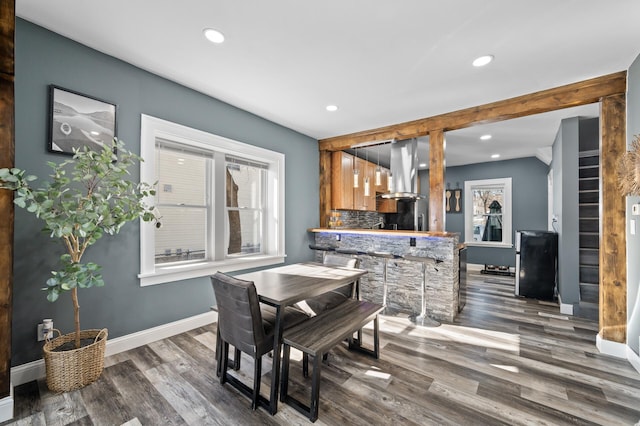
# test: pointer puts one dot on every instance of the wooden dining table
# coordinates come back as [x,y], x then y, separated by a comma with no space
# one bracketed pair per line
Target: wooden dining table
[286,285]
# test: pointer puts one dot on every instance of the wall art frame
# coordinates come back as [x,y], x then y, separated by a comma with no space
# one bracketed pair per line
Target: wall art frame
[77,120]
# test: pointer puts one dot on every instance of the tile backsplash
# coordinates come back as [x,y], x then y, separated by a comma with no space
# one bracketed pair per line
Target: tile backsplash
[359,219]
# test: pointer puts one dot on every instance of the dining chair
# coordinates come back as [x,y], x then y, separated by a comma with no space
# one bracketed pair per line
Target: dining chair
[335,297]
[240,324]
[248,326]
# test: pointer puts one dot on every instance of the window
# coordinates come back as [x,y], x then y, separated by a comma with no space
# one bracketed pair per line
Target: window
[488,212]
[221,204]
[245,194]
[183,200]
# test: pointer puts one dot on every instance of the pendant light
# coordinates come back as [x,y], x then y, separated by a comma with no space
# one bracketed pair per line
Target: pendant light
[390,182]
[355,170]
[378,170]
[367,191]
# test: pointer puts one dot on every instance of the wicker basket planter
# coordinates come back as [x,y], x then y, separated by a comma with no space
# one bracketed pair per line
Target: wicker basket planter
[68,370]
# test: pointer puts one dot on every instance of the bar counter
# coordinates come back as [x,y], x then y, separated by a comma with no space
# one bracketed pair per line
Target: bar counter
[407,254]
[389,232]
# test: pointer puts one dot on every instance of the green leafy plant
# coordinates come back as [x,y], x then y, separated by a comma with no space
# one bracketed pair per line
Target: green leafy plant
[87,196]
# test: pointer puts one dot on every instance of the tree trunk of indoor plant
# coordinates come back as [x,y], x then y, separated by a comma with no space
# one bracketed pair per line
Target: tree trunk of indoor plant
[76,314]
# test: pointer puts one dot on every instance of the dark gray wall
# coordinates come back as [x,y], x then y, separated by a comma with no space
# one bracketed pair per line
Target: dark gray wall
[633,241]
[529,187]
[565,208]
[589,131]
[44,58]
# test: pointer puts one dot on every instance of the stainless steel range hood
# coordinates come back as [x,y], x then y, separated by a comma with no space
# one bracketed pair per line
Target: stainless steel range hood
[404,171]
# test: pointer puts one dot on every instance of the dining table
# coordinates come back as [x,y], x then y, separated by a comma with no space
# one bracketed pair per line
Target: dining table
[287,285]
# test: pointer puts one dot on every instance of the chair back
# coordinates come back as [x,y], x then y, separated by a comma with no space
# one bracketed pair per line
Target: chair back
[239,317]
[347,262]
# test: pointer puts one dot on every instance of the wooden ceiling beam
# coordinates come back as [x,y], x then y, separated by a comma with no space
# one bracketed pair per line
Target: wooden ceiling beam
[570,95]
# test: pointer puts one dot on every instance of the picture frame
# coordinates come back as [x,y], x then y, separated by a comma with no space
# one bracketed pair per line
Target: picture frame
[453,200]
[77,120]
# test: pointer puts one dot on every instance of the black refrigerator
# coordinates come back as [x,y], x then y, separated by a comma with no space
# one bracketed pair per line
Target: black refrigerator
[536,264]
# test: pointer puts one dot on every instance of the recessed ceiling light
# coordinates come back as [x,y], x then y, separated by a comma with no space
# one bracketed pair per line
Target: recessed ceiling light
[495,156]
[482,60]
[485,137]
[332,108]
[214,36]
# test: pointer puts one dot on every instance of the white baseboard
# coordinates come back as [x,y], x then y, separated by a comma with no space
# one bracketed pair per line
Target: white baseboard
[608,347]
[633,358]
[34,370]
[474,267]
[6,407]
[141,338]
[566,308]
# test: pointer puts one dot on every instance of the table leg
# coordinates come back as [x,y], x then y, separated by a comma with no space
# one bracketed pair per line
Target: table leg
[275,365]
[359,334]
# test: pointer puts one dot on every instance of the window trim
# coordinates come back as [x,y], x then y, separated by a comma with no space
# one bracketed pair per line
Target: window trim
[507,223]
[152,128]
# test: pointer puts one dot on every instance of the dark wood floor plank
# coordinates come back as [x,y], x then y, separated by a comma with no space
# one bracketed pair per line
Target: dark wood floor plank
[104,402]
[61,409]
[192,406]
[84,421]
[143,401]
[27,399]
[36,419]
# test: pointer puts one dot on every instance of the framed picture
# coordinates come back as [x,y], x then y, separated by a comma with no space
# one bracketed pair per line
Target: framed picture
[77,120]
[453,200]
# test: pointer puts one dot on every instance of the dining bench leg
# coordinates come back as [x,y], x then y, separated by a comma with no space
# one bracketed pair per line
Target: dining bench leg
[312,410]
[284,385]
[315,388]
[356,344]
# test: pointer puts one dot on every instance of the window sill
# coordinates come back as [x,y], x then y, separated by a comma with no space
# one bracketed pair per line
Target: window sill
[202,269]
[487,244]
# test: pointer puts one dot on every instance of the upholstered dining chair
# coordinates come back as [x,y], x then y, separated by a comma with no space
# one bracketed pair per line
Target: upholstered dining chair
[246,325]
[332,298]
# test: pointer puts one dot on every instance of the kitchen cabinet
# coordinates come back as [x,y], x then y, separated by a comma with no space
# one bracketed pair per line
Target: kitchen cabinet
[387,206]
[384,205]
[343,195]
[341,181]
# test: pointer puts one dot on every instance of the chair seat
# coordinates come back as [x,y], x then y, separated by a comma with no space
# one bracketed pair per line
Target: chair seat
[292,316]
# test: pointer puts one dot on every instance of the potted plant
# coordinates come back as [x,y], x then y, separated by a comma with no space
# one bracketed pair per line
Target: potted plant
[87,196]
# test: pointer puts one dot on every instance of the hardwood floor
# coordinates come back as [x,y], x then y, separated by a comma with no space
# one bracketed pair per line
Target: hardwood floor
[505,360]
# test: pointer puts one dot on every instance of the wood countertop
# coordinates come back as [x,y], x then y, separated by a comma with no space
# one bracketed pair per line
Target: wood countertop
[386,232]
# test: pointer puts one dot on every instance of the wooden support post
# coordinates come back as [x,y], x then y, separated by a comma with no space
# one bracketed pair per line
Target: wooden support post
[325,187]
[7,146]
[613,250]
[436,181]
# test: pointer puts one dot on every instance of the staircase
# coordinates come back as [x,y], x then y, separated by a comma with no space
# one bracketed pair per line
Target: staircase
[588,228]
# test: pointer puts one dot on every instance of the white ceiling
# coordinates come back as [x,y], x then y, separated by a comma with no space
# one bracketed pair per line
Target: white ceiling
[381,62]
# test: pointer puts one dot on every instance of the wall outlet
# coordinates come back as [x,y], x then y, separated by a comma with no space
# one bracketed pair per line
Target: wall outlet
[635,209]
[45,330]
[40,332]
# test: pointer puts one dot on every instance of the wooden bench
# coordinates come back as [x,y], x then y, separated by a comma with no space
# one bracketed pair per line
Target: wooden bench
[318,335]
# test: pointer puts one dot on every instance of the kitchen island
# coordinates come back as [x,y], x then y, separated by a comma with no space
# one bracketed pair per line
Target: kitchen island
[408,255]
